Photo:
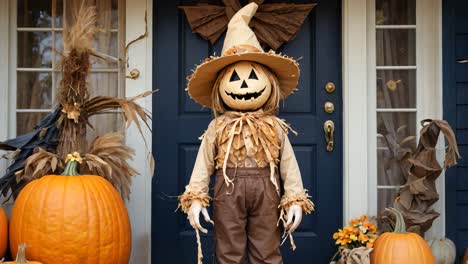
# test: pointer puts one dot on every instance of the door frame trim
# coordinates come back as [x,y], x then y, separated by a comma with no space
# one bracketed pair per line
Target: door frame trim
[140,56]
[4,73]
[355,108]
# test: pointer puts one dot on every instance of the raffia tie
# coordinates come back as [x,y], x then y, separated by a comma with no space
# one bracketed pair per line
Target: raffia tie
[238,120]
[75,156]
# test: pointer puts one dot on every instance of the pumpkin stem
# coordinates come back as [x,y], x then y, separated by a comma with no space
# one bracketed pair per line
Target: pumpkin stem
[21,255]
[72,164]
[400,226]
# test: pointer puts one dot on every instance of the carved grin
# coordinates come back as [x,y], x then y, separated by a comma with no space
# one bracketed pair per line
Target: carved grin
[246,96]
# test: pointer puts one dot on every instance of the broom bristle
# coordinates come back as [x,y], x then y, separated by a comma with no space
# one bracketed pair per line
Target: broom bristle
[80,35]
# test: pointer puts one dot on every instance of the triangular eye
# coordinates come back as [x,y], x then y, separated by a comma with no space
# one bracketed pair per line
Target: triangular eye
[253,75]
[234,76]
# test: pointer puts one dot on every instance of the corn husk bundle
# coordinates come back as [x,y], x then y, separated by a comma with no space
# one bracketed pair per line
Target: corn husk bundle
[43,151]
[416,197]
[360,255]
[107,157]
[420,169]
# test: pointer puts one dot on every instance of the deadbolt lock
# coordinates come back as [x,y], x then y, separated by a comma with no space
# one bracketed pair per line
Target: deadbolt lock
[330,87]
[329,107]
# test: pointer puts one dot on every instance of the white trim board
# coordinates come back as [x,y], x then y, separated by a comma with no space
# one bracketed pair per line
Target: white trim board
[140,57]
[355,173]
[430,88]
[4,73]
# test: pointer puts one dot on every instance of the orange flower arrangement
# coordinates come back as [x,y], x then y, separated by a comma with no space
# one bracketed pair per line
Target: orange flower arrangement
[359,233]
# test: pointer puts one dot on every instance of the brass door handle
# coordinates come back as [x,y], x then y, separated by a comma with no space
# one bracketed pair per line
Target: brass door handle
[329,129]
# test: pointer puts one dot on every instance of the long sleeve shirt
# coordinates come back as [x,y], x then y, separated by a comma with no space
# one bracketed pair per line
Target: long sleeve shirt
[244,152]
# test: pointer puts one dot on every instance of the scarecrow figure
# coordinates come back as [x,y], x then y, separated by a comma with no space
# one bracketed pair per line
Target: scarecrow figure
[247,147]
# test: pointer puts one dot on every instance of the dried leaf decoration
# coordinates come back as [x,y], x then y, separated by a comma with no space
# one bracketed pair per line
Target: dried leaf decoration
[273,24]
[360,255]
[416,197]
[62,132]
[131,111]
[108,157]
[39,164]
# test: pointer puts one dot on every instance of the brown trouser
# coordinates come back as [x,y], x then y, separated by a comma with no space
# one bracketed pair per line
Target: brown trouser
[246,218]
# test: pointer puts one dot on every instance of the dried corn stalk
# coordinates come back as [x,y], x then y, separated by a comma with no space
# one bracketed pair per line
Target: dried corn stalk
[73,90]
[108,157]
[64,131]
[416,197]
[39,164]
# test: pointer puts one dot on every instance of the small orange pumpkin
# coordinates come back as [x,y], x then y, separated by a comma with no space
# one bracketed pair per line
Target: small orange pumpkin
[71,218]
[21,256]
[3,233]
[399,246]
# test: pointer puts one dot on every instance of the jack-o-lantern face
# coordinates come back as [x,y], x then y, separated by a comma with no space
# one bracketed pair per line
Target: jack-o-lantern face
[245,86]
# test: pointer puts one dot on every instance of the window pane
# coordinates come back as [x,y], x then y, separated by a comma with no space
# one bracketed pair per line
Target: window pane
[386,197]
[106,43]
[389,169]
[99,84]
[108,15]
[58,49]
[58,13]
[25,122]
[396,47]
[104,123]
[396,89]
[104,84]
[34,90]
[395,12]
[395,136]
[34,13]
[35,49]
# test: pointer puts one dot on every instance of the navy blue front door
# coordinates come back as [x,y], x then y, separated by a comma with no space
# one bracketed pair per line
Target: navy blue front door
[178,122]
[455,31]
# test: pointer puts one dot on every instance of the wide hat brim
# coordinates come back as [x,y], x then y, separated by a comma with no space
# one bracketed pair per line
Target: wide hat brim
[202,80]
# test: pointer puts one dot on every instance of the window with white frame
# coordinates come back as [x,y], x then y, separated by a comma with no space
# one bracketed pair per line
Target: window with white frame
[396,93]
[37,46]
[404,87]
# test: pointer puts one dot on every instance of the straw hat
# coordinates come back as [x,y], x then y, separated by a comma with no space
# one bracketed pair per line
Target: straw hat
[241,44]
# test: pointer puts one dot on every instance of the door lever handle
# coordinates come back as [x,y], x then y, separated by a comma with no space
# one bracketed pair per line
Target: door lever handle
[329,129]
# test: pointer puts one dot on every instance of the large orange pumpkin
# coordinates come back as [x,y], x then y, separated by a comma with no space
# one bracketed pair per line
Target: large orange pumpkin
[400,247]
[71,218]
[3,233]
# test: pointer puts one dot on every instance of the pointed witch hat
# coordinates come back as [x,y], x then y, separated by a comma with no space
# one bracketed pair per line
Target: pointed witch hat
[241,44]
